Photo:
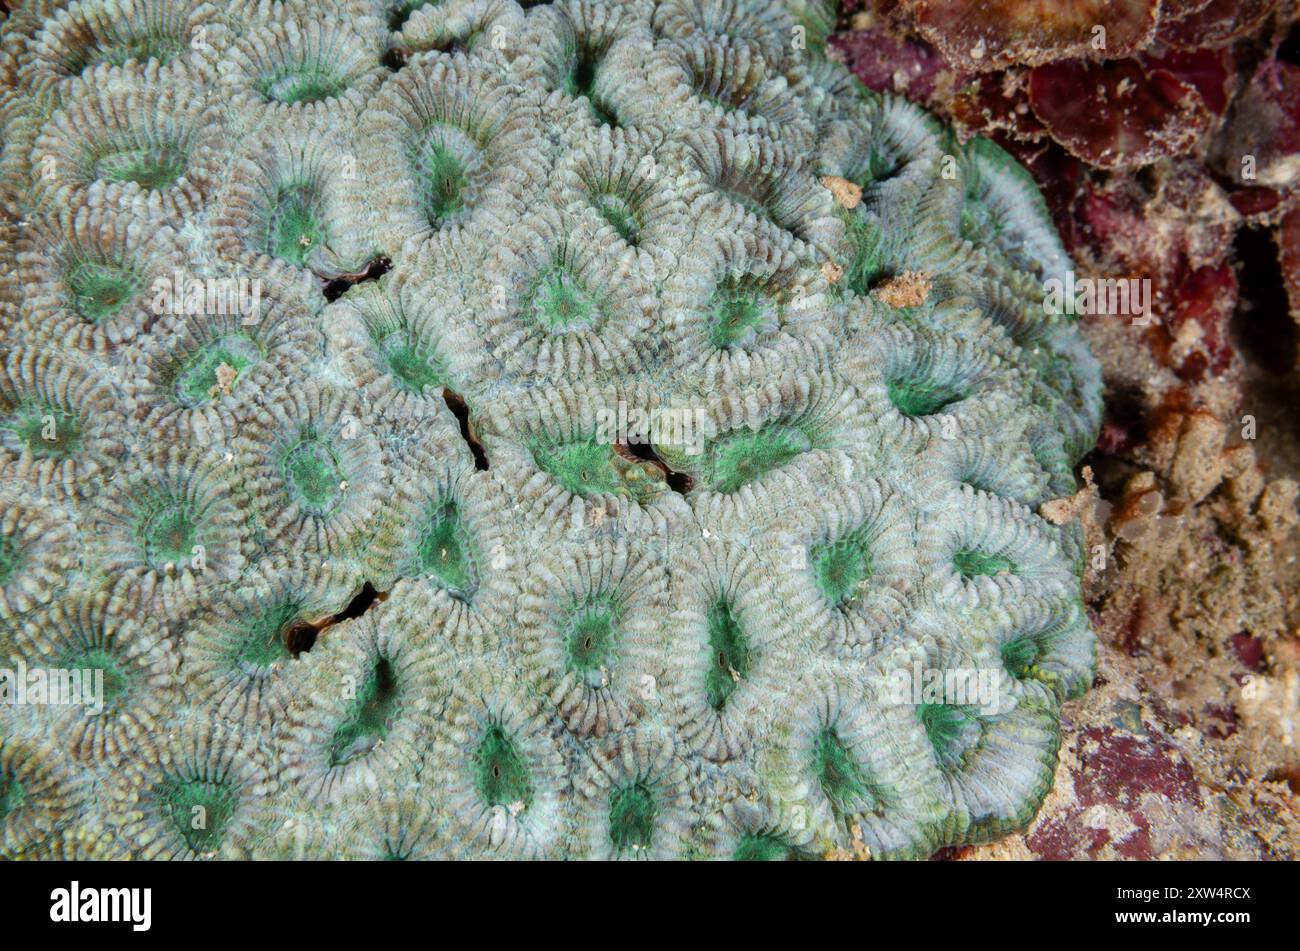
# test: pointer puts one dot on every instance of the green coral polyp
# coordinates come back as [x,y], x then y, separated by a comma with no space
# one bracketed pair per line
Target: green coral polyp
[152,169]
[842,779]
[100,289]
[312,470]
[952,731]
[10,558]
[116,681]
[1020,656]
[196,380]
[295,226]
[621,215]
[971,564]
[11,795]
[259,642]
[976,222]
[501,775]
[446,553]
[841,568]
[581,82]
[303,84]
[761,847]
[446,165]
[369,718]
[559,302]
[730,652]
[412,370]
[199,811]
[632,814]
[879,167]
[583,468]
[737,312]
[141,47]
[591,639]
[45,431]
[744,457]
[169,534]
[865,266]
[921,397]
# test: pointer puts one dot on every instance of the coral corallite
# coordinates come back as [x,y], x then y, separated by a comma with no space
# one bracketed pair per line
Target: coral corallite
[585,429]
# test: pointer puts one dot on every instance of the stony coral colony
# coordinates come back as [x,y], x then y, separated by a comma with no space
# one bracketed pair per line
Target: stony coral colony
[365,571]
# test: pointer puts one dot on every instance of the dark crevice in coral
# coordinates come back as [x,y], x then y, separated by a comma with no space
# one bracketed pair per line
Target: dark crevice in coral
[1126,406]
[679,482]
[337,285]
[581,81]
[398,15]
[456,403]
[1127,425]
[1262,325]
[456,46]
[1109,473]
[359,605]
[396,58]
[300,635]
[584,73]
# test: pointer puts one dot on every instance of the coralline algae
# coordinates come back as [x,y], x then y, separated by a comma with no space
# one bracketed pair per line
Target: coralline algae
[473,429]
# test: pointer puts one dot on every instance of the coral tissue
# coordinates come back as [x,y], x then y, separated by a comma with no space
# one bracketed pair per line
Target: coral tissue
[469,428]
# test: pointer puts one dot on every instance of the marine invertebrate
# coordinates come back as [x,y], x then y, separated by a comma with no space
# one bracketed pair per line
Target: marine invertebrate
[197,789]
[148,143]
[565,299]
[93,631]
[293,197]
[40,548]
[389,341]
[458,148]
[358,727]
[40,794]
[591,627]
[86,274]
[288,61]
[61,423]
[238,650]
[174,529]
[204,365]
[508,794]
[59,44]
[494,429]
[320,471]
[635,799]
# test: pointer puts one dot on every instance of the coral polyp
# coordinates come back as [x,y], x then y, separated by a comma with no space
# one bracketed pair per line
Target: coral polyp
[484,429]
